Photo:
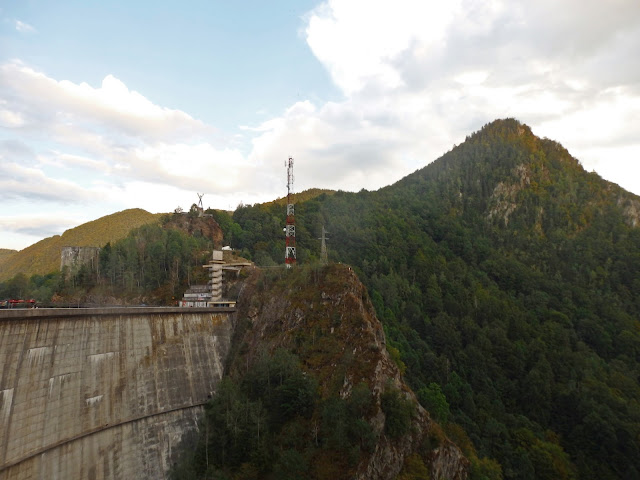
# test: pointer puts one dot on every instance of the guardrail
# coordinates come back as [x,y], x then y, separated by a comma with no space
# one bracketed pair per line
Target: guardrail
[103,311]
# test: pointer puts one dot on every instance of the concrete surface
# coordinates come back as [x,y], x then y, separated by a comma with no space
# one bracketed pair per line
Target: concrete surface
[104,393]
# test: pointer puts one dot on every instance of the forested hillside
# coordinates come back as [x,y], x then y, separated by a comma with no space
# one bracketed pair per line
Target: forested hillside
[5,253]
[506,276]
[43,257]
[153,264]
[303,196]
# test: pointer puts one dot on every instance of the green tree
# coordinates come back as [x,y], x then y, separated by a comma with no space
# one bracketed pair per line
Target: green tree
[432,398]
[398,412]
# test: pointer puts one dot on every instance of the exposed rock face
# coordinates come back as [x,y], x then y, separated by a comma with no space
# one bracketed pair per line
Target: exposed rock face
[205,225]
[74,257]
[503,201]
[349,347]
[448,462]
[630,209]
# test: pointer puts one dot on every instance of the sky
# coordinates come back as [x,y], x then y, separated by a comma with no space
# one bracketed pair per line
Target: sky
[112,105]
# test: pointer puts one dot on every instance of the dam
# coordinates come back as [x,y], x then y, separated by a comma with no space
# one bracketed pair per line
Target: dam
[105,393]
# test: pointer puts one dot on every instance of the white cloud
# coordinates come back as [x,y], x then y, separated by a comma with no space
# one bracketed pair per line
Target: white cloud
[42,102]
[23,27]
[199,166]
[39,225]
[10,119]
[70,161]
[111,130]
[357,40]
[30,183]
[473,77]
[336,146]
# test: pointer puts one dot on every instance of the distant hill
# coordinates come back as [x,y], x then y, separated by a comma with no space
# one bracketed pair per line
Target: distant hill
[506,277]
[44,256]
[5,253]
[303,196]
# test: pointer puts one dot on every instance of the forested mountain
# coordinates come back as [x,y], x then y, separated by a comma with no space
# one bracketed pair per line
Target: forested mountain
[43,257]
[507,278]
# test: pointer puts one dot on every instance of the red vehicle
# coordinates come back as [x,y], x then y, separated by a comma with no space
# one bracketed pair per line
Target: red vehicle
[20,303]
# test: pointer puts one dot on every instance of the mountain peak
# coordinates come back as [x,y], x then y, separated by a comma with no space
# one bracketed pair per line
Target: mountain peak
[506,127]
[509,177]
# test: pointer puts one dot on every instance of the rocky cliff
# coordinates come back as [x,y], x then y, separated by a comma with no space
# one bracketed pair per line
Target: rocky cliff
[324,316]
[193,225]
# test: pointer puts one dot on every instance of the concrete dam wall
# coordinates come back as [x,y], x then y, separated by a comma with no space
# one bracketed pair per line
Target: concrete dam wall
[104,393]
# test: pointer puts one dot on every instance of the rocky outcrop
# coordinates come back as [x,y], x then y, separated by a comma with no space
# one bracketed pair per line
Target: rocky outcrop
[447,461]
[205,226]
[503,201]
[630,209]
[330,309]
[74,257]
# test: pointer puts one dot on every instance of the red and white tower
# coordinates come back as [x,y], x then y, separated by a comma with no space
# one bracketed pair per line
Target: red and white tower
[290,229]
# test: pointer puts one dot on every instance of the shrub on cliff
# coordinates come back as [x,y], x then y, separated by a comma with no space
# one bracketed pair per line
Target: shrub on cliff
[398,411]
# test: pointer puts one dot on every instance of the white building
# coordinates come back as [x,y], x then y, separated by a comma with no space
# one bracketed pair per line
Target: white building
[210,295]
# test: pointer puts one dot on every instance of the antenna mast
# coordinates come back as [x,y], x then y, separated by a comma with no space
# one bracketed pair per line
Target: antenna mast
[324,258]
[290,229]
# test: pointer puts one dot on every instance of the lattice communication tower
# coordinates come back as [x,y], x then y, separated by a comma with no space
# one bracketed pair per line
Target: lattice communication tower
[324,257]
[290,229]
